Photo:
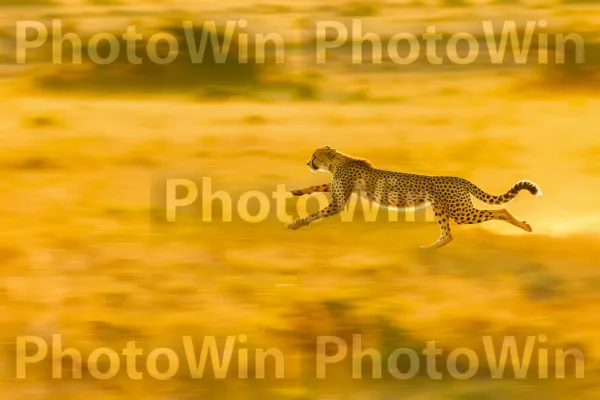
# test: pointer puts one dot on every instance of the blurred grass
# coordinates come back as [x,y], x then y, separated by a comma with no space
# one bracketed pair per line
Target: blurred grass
[82,256]
[360,9]
[26,3]
[456,3]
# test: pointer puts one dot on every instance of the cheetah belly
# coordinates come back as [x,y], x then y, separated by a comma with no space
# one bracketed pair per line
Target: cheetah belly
[393,199]
[391,191]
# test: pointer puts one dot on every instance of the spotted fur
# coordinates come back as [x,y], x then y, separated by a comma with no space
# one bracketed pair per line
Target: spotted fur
[449,196]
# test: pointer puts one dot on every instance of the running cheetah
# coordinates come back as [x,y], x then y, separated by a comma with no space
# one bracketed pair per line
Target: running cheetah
[448,196]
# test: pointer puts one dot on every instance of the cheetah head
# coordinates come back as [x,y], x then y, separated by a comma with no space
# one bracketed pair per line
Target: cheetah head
[321,159]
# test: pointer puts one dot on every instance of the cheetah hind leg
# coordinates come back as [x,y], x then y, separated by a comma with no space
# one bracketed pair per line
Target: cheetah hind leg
[477,216]
[515,221]
[445,235]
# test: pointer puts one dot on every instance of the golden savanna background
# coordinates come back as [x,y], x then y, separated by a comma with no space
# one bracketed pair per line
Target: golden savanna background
[86,150]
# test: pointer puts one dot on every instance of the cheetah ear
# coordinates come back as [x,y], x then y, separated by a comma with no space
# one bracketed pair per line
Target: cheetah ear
[327,148]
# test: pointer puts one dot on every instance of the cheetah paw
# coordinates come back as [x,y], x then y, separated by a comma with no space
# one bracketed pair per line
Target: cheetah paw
[297,192]
[295,225]
[526,226]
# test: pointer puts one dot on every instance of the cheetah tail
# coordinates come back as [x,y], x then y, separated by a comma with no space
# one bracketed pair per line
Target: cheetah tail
[508,196]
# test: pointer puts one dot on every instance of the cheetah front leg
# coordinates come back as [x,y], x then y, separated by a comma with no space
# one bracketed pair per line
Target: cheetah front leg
[326,187]
[340,194]
[443,221]
[328,211]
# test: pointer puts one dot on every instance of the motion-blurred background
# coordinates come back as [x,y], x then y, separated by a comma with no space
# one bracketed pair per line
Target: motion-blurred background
[85,149]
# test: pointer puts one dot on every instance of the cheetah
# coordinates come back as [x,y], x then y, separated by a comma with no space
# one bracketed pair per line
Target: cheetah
[449,196]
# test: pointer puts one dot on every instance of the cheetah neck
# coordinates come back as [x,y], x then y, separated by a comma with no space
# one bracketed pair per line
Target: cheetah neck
[337,161]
